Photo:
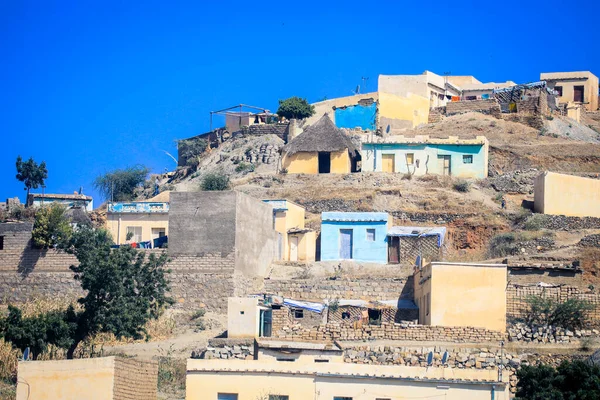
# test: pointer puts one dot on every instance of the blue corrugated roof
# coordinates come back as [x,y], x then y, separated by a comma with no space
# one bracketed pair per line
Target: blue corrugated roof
[354,216]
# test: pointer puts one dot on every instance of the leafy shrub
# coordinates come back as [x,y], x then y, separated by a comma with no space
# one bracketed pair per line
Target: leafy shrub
[535,222]
[462,186]
[215,181]
[571,380]
[295,107]
[244,167]
[51,226]
[120,184]
[503,245]
[190,149]
[544,311]
[199,313]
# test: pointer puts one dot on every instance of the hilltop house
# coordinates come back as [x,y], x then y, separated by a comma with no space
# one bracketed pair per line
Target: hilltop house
[322,148]
[359,236]
[68,200]
[422,155]
[461,294]
[577,87]
[298,242]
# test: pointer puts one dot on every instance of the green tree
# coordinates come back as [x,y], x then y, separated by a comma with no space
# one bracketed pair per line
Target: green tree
[31,174]
[544,311]
[295,108]
[215,181]
[120,184]
[576,380]
[51,226]
[36,332]
[124,288]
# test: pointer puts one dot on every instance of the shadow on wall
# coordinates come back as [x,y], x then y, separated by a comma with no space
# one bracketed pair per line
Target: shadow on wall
[29,259]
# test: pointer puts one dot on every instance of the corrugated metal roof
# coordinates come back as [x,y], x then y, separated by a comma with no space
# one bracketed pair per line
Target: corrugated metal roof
[354,216]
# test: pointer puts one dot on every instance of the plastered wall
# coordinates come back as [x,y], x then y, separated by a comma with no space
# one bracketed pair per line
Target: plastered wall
[560,194]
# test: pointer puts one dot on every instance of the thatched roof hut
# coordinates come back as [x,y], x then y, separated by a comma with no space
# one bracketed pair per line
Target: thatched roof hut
[321,148]
[321,136]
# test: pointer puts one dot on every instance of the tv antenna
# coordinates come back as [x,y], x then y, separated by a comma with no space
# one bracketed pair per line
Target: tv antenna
[365,80]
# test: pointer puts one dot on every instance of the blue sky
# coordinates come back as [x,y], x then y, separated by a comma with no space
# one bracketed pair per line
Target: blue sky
[93,86]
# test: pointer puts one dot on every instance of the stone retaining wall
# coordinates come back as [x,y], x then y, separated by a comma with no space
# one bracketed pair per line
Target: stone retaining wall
[490,107]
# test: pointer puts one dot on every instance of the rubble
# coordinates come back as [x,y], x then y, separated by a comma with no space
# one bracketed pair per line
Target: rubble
[520,182]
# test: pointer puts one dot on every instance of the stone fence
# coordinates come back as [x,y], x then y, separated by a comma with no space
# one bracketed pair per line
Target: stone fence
[489,106]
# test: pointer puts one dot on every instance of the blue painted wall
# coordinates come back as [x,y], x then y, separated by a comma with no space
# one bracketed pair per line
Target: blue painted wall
[356,116]
[362,249]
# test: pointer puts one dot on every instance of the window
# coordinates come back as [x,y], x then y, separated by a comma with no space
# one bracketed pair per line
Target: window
[370,235]
[321,360]
[559,90]
[298,313]
[241,312]
[1,242]
[278,397]
[227,396]
[134,233]
[410,158]
[285,359]
[428,303]
[468,159]
[342,398]
[374,316]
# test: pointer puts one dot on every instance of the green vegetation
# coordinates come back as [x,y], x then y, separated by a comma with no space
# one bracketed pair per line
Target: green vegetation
[124,290]
[244,167]
[508,243]
[120,184]
[215,181]
[462,186]
[51,227]
[576,380]
[546,311]
[190,149]
[295,108]
[31,174]
[535,222]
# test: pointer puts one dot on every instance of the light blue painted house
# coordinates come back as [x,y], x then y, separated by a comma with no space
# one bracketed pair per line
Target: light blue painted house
[422,155]
[359,236]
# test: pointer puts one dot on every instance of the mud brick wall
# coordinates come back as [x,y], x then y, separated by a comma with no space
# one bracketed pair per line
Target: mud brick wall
[516,296]
[135,380]
[490,107]
[355,289]
[411,247]
[387,315]
[435,115]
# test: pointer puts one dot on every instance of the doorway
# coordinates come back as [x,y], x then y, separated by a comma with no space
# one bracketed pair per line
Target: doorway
[294,248]
[266,323]
[394,250]
[158,233]
[324,162]
[444,164]
[578,94]
[346,244]
[388,163]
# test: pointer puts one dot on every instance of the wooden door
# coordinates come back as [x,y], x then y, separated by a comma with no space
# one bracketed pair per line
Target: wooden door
[394,250]
[444,164]
[578,94]
[387,163]
[293,248]
[346,244]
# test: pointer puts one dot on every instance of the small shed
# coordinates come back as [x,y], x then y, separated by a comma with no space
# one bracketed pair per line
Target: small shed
[360,236]
[405,243]
[321,149]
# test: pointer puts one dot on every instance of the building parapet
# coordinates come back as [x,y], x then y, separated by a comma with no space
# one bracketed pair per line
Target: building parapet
[425,139]
[139,207]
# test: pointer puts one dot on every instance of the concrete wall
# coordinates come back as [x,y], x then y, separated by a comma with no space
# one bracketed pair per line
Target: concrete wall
[243,317]
[362,250]
[117,224]
[358,116]
[285,220]
[308,163]
[252,380]
[561,194]
[256,242]
[202,222]
[425,159]
[464,294]
[400,113]
[107,378]
[327,106]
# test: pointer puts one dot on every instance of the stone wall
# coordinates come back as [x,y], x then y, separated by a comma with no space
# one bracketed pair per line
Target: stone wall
[134,379]
[343,288]
[436,115]
[490,107]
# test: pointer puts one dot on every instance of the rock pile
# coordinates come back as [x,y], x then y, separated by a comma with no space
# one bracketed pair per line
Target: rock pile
[521,181]
[547,334]
[590,241]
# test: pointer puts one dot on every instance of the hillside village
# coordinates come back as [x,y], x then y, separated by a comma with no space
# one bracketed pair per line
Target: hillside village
[388,246]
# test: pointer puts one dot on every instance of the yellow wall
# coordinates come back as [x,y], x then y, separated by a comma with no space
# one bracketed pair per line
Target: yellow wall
[308,163]
[246,325]
[90,379]
[340,162]
[463,295]
[253,380]
[412,109]
[146,220]
[560,194]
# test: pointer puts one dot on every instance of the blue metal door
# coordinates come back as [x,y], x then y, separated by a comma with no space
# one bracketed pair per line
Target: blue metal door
[346,244]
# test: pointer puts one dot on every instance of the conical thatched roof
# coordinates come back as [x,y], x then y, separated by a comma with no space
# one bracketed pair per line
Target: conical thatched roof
[323,135]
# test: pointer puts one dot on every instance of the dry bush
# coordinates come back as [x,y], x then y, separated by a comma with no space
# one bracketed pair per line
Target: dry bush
[590,263]
[8,361]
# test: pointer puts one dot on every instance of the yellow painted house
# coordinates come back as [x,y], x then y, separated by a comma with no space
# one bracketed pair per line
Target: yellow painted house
[298,243]
[462,294]
[322,148]
[562,194]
